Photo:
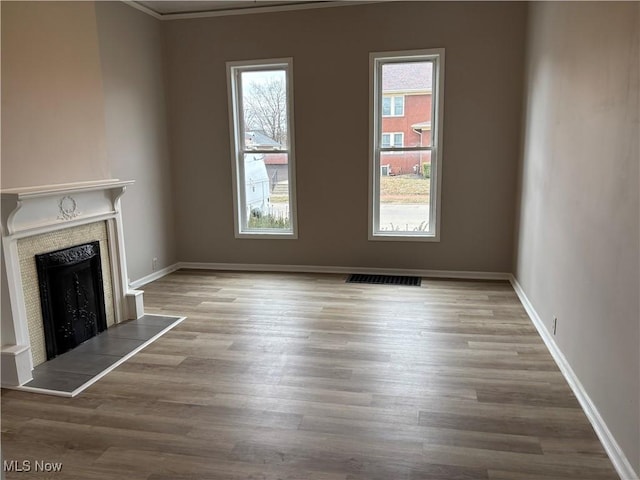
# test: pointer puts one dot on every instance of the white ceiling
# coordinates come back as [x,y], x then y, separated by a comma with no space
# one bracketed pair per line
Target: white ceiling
[169,7]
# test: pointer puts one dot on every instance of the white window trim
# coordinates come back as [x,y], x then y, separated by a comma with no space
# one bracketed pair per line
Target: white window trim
[393,110]
[236,133]
[375,131]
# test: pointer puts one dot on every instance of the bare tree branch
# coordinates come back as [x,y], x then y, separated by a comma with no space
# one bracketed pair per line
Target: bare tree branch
[265,108]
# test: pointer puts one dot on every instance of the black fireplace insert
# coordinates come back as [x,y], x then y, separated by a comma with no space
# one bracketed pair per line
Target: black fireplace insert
[72,296]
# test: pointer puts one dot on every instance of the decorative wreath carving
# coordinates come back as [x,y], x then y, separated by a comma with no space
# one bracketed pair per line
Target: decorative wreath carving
[68,208]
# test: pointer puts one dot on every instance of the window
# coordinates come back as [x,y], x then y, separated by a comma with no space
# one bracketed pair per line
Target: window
[398,139]
[392,106]
[406,154]
[262,140]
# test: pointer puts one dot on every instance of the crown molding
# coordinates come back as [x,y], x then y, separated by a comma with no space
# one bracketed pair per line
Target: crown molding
[142,8]
[246,11]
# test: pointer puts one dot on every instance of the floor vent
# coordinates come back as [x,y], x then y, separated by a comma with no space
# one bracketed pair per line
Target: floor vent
[384,279]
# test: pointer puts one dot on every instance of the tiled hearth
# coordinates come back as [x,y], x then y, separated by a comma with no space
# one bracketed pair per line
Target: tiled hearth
[38,220]
[72,372]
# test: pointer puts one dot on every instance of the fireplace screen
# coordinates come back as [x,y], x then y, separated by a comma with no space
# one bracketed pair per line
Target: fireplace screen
[72,296]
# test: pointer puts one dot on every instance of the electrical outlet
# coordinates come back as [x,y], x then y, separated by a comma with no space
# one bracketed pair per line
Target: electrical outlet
[154,264]
[555,325]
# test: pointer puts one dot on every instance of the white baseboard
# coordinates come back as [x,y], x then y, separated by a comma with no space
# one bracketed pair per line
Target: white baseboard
[617,456]
[261,267]
[154,276]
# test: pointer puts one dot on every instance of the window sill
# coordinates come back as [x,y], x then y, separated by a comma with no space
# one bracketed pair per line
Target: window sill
[268,235]
[397,237]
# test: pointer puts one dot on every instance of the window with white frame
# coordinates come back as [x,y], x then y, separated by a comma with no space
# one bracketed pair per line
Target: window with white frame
[393,105]
[405,205]
[262,141]
[394,139]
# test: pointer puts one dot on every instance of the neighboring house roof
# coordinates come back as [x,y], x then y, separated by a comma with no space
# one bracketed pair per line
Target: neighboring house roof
[258,139]
[407,76]
[421,126]
[275,159]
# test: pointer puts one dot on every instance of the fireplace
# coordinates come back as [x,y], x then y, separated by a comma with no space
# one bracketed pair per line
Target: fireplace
[64,273]
[71,296]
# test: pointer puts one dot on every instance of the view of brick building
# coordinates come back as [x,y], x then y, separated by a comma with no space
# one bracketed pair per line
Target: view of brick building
[406,116]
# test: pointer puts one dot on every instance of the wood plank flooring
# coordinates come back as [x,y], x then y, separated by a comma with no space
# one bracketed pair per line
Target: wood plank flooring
[301,376]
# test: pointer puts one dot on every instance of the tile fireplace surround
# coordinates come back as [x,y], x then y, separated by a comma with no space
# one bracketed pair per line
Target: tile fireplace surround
[42,219]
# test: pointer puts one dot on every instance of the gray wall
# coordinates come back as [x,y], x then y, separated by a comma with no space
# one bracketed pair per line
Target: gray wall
[136,131]
[83,99]
[52,103]
[578,240]
[484,45]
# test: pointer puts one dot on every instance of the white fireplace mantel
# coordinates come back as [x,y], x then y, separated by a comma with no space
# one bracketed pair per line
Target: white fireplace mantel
[27,210]
[36,210]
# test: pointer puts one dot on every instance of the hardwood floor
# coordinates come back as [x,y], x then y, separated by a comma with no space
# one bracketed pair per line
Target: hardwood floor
[301,376]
